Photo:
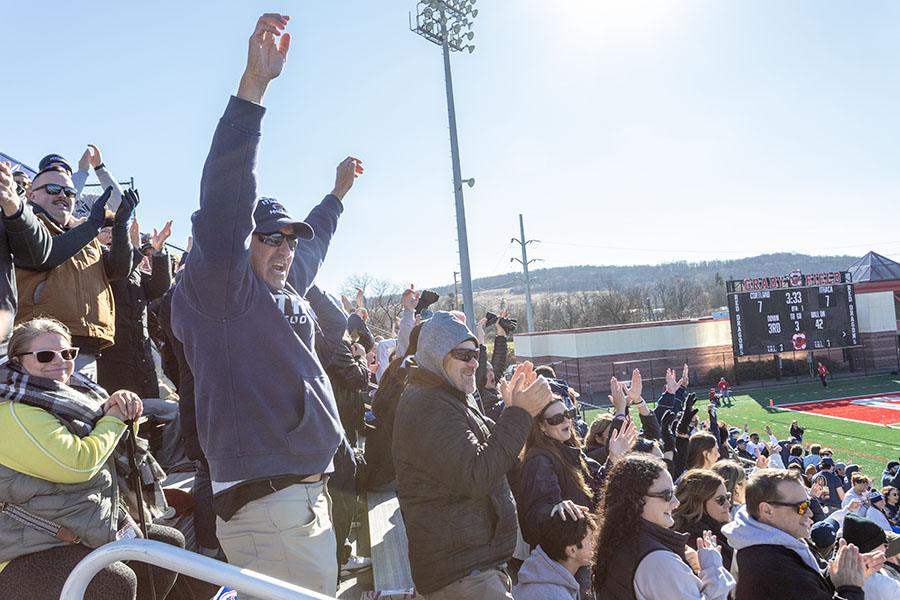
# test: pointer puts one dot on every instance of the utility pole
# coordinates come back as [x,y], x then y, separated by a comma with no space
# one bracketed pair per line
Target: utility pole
[455,290]
[529,311]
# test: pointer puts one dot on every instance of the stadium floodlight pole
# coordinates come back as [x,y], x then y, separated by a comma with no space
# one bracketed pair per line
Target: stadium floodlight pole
[442,22]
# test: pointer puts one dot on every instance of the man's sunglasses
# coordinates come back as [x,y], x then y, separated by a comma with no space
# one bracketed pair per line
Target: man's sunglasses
[54,189]
[276,239]
[800,507]
[464,355]
[557,419]
[45,356]
[723,499]
[666,495]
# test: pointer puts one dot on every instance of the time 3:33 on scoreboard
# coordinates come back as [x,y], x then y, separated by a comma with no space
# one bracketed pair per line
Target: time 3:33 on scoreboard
[767,319]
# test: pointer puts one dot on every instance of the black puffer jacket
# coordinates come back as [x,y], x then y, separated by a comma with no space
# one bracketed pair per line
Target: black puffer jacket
[128,363]
[451,481]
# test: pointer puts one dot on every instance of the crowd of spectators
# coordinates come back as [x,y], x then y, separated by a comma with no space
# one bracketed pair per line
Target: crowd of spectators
[240,369]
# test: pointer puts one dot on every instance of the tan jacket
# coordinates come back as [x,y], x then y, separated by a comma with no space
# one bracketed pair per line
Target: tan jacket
[77,293]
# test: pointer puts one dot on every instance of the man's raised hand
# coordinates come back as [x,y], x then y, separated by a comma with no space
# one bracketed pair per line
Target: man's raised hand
[94,156]
[349,169]
[410,298]
[159,237]
[265,56]
[9,195]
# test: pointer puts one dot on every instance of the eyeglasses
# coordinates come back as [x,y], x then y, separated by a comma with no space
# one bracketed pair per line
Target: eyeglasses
[557,419]
[54,189]
[723,499]
[45,356]
[276,239]
[666,495]
[800,507]
[465,354]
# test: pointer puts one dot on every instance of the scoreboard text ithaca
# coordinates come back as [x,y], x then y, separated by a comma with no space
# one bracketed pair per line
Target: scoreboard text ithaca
[794,312]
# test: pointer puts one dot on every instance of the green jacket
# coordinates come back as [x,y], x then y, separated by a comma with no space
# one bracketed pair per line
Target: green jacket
[459,513]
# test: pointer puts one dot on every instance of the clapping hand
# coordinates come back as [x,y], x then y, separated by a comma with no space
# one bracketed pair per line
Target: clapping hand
[617,396]
[621,441]
[634,391]
[159,237]
[526,390]
[98,208]
[410,298]
[130,200]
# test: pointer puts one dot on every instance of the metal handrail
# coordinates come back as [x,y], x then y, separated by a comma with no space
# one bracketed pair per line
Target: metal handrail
[181,561]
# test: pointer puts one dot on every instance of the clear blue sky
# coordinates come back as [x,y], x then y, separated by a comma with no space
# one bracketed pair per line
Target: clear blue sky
[626,132]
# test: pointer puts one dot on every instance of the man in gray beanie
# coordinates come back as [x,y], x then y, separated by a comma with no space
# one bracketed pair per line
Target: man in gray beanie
[459,512]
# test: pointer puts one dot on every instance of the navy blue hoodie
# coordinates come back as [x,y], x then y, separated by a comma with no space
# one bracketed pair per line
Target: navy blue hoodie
[264,404]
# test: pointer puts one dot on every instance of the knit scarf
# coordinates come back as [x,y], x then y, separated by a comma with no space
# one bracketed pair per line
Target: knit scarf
[79,405]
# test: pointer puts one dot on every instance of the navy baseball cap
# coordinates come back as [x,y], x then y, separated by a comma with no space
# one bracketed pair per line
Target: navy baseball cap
[826,461]
[270,216]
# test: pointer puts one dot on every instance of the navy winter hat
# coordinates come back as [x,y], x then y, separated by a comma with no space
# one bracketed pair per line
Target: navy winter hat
[54,159]
[824,533]
[270,216]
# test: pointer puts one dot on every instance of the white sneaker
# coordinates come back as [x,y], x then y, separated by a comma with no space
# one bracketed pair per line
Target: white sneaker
[357,563]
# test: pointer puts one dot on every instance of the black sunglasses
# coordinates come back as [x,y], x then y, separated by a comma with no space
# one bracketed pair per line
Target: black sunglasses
[276,239]
[666,495]
[54,189]
[723,499]
[465,355]
[800,507]
[560,417]
[45,356]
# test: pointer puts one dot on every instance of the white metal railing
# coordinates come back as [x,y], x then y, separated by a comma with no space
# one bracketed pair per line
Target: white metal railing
[195,565]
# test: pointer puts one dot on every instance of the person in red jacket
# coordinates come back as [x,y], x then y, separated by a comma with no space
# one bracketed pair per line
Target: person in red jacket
[822,370]
[724,390]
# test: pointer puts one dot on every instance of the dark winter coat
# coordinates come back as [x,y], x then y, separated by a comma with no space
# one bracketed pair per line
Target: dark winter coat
[128,363]
[458,509]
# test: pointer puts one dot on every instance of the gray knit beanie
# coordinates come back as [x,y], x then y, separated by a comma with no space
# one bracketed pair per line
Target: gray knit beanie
[439,335]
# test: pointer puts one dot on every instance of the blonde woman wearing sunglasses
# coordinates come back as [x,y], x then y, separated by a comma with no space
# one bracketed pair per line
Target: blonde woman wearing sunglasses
[61,468]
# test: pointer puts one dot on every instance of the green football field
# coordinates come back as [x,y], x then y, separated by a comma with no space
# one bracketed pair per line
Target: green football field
[868,445]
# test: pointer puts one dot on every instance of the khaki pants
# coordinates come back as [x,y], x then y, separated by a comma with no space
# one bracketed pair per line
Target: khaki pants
[286,535]
[492,584]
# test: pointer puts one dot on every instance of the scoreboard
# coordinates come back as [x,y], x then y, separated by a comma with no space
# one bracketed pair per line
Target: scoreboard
[797,312]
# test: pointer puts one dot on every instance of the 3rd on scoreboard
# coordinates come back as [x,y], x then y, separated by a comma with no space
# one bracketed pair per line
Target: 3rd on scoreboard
[794,318]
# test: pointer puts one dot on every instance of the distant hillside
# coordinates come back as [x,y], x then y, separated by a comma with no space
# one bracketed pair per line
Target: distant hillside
[592,278]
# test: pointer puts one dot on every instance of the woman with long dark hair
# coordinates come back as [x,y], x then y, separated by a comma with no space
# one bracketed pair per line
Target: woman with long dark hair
[638,556]
[735,481]
[891,504]
[558,477]
[704,505]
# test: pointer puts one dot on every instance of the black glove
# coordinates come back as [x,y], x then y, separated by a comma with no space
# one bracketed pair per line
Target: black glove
[491,318]
[668,436]
[425,300]
[130,200]
[689,401]
[684,426]
[98,208]
[508,325]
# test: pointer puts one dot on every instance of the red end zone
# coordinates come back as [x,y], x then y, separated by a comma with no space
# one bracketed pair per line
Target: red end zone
[880,409]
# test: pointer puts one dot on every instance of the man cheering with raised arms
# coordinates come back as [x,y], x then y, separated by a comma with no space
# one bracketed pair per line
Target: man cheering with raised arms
[266,415]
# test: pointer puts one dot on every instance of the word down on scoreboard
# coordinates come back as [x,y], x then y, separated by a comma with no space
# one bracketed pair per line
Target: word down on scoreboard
[797,312]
